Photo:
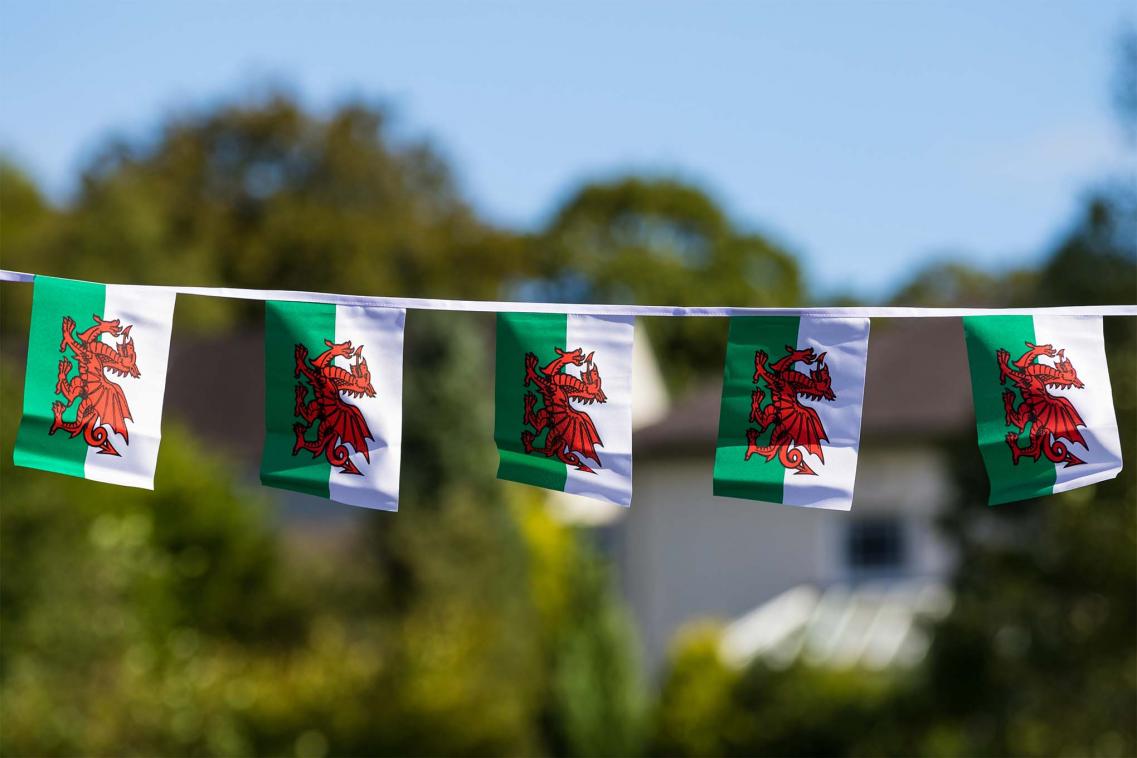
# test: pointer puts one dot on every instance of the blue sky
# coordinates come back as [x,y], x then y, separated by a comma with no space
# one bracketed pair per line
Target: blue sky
[867,137]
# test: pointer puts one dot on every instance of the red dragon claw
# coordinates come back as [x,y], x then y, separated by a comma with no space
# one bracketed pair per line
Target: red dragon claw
[301,356]
[57,409]
[530,368]
[756,398]
[751,443]
[1013,443]
[299,430]
[64,371]
[68,330]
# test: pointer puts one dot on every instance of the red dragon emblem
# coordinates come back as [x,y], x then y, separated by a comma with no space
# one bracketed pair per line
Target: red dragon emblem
[795,426]
[102,403]
[572,434]
[1052,418]
[338,423]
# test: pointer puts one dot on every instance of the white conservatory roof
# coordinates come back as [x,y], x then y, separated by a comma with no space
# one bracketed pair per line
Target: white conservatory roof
[873,625]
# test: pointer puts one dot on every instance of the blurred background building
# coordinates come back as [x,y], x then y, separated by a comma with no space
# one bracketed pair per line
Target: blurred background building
[684,555]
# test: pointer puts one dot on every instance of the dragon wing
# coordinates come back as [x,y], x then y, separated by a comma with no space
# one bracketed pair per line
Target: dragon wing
[348,424]
[577,431]
[1058,415]
[109,403]
[802,424]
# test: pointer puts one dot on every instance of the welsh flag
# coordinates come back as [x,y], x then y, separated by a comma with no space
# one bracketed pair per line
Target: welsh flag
[1043,404]
[564,403]
[790,418]
[333,401]
[95,380]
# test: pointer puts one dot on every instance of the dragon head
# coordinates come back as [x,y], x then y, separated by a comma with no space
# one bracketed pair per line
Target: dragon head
[1064,374]
[821,383]
[590,390]
[127,360]
[361,376]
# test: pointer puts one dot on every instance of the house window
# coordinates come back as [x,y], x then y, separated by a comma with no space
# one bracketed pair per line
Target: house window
[875,544]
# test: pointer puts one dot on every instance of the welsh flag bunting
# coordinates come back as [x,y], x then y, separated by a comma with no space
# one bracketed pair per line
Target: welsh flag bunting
[95,380]
[790,418]
[564,403]
[333,401]
[1043,403]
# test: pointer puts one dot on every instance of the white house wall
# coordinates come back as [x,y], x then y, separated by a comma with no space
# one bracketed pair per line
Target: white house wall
[685,555]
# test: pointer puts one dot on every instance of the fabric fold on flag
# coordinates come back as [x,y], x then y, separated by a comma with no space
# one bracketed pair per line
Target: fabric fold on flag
[333,401]
[1043,403]
[95,380]
[563,410]
[790,416]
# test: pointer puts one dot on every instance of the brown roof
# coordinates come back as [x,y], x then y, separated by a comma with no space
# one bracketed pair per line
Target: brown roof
[917,385]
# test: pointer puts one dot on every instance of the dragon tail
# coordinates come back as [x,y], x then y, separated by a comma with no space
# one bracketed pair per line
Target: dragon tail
[96,436]
[337,455]
[790,457]
[1058,452]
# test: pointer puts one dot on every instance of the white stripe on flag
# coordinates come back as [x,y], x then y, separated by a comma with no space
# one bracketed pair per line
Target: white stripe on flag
[611,339]
[846,343]
[150,313]
[1082,339]
[380,331]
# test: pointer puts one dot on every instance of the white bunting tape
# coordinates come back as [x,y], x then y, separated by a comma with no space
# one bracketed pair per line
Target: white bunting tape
[491,306]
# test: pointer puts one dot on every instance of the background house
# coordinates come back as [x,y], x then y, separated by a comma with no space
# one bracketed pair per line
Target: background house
[683,554]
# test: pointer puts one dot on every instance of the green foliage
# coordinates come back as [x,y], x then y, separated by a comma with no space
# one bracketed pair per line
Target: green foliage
[186,622]
[1045,620]
[179,623]
[266,195]
[1037,656]
[708,708]
[943,285]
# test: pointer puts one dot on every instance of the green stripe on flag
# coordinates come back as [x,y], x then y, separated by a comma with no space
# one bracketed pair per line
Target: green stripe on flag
[288,324]
[757,478]
[53,299]
[984,336]
[518,334]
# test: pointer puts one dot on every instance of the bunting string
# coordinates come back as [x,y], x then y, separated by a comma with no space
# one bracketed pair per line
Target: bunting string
[590,309]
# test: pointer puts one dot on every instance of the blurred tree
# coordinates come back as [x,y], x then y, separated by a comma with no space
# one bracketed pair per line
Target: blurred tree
[666,243]
[26,221]
[264,194]
[177,623]
[1038,657]
[707,708]
[947,284]
[1125,83]
[181,622]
